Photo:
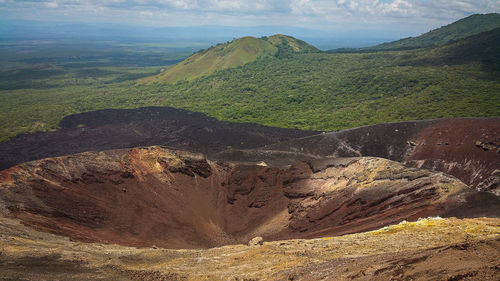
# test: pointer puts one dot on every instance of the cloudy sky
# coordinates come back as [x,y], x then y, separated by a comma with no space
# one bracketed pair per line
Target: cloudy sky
[403,16]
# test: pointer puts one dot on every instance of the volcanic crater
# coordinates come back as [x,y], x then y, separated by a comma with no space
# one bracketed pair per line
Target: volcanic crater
[176,199]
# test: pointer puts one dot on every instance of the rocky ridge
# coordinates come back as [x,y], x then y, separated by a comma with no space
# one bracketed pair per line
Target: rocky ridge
[467,148]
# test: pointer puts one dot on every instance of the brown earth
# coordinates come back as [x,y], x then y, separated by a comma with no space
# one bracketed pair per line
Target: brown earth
[294,186]
[165,198]
[176,199]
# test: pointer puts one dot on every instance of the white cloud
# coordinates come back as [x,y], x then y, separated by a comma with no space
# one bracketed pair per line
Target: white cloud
[303,7]
[307,13]
[51,4]
[146,14]
[184,4]
[398,6]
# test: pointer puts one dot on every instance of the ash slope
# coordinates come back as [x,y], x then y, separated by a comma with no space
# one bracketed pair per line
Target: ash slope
[125,128]
[175,199]
[467,148]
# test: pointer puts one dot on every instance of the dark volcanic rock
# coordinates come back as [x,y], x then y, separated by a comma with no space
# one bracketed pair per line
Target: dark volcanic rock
[177,199]
[126,128]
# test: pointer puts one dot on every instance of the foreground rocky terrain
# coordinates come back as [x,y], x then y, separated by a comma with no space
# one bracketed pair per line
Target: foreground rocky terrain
[429,249]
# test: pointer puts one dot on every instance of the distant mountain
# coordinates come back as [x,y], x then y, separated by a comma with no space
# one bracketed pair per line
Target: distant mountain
[232,54]
[463,28]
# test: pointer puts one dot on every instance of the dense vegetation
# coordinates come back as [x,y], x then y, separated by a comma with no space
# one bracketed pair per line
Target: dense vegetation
[461,29]
[304,90]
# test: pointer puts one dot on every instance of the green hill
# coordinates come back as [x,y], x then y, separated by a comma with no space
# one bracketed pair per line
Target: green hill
[229,55]
[458,30]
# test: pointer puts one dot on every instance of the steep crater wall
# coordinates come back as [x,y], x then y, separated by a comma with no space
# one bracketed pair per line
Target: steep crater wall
[176,199]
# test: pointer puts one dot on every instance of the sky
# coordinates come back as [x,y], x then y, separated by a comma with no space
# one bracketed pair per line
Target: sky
[396,17]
